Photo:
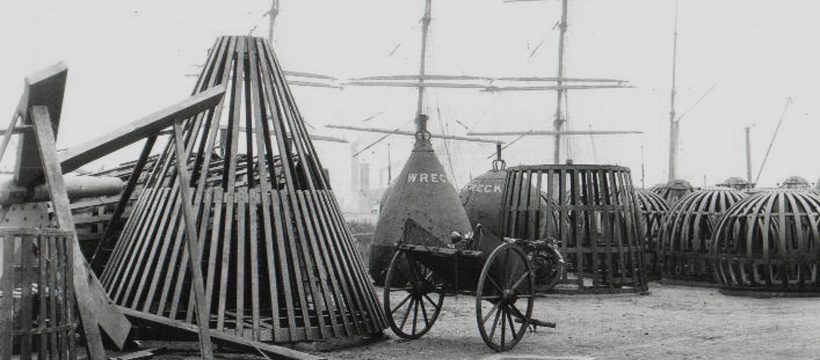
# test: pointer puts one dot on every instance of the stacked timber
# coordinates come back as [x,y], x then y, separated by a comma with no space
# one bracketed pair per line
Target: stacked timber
[279,263]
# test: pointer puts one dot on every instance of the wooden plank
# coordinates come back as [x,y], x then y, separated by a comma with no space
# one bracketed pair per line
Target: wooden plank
[193,246]
[275,350]
[89,308]
[43,244]
[7,301]
[149,125]
[241,200]
[44,88]
[52,300]
[253,199]
[262,140]
[98,260]
[321,295]
[327,236]
[26,299]
[285,269]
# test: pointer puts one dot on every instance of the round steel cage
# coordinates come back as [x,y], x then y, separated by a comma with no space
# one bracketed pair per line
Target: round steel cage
[795,182]
[673,191]
[768,243]
[597,229]
[686,233]
[737,183]
[652,208]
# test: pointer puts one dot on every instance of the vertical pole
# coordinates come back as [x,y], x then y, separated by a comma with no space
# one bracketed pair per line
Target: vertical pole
[389,166]
[274,12]
[673,124]
[425,27]
[748,155]
[643,171]
[559,121]
[192,241]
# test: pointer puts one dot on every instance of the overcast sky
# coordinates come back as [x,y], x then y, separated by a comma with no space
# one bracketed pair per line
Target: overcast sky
[128,59]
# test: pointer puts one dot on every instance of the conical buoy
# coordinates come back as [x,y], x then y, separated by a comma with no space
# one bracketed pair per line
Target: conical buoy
[422,192]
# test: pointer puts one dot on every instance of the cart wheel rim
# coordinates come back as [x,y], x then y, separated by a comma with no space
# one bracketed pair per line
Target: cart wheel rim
[505,298]
[413,306]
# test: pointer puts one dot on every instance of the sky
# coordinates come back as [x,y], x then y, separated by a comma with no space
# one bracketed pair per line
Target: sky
[127,59]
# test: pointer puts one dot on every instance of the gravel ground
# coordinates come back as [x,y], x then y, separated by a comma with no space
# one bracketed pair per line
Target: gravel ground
[673,322]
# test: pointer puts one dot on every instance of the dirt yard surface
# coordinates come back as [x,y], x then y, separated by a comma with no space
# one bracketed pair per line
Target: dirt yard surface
[673,322]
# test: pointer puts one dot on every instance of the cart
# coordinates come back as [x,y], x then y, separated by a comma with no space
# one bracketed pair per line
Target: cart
[500,274]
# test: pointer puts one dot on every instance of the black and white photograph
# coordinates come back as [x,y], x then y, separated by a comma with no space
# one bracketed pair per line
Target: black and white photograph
[410,179]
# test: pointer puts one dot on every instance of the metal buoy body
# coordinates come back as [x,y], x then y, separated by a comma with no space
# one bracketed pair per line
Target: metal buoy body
[422,192]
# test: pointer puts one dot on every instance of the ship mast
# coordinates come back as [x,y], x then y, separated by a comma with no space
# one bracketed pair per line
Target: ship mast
[273,13]
[560,119]
[425,28]
[673,124]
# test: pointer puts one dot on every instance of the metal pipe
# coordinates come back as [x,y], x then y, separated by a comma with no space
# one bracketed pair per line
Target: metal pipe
[77,186]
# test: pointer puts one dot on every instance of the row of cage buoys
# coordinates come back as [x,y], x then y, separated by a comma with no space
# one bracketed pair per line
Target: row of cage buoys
[747,241]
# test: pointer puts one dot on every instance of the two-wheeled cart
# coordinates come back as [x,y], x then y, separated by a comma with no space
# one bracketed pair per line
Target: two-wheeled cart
[500,274]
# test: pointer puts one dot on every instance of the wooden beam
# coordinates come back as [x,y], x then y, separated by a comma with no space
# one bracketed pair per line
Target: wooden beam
[42,88]
[192,241]
[416,84]
[23,129]
[555,87]
[47,150]
[413,133]
[279,352]
[149,125]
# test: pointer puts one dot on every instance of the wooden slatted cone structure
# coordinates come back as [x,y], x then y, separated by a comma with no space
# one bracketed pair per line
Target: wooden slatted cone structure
[422,192]
[278,260]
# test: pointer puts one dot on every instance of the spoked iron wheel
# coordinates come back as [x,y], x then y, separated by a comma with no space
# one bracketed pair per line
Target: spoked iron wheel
[505,297]
[413,296]
[549,267]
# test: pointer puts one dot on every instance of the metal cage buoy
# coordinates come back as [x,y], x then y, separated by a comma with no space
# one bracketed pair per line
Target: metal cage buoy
[686,234]
[37,319]
[598,229]
[652,208]
[673,190]
[795,182]
[737,183]
[769,243]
